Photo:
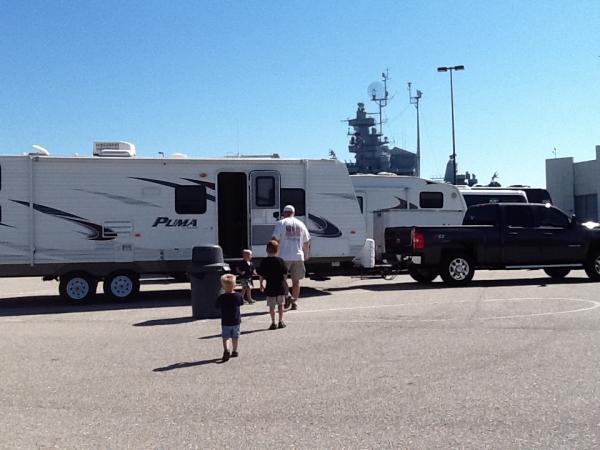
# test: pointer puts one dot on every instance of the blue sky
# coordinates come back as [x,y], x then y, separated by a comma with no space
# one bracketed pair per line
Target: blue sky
[208,78]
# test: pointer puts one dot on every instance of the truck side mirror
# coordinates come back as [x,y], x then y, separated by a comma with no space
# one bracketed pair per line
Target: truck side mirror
[573,220]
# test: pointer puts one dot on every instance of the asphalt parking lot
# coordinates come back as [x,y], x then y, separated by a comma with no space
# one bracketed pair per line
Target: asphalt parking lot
[509,362]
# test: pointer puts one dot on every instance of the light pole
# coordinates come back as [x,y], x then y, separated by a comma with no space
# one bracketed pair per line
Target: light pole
[452,69]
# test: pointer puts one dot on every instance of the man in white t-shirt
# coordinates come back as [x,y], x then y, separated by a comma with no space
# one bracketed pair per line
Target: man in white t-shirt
[294,239]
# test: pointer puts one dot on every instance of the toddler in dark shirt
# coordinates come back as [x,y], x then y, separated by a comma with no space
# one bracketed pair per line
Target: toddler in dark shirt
[229,303]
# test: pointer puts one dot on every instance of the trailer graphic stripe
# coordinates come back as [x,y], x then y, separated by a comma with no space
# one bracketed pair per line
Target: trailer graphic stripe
[325,228]
[176,185]
[97,232]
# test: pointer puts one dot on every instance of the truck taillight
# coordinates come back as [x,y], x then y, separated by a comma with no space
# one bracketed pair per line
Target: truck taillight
[418,240]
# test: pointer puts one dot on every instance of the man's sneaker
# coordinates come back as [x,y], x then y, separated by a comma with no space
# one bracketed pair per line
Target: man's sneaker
[294,306]
[251,301]
[273,326]
[234,354]
[226,355]
[281,325]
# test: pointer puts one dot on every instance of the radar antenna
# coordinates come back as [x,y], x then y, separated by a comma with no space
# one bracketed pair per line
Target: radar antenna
[379,94]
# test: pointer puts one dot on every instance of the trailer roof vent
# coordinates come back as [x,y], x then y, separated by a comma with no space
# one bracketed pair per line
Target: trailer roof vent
[119,149]
[39,150]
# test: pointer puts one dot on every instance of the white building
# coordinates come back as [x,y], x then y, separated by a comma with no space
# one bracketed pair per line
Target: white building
[575,187]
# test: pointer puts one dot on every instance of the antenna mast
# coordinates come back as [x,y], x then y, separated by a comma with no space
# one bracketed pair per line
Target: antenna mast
[415,101]
[381,98]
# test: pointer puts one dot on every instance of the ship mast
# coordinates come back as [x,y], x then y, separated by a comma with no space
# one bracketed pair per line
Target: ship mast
[415,101]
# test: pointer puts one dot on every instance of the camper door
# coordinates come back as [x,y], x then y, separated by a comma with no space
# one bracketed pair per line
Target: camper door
[264,208]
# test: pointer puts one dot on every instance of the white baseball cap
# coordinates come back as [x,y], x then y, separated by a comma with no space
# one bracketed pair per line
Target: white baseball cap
[289,208]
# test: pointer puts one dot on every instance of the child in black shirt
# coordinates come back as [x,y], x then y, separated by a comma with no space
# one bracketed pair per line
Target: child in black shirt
[229,303]
[245,273]
[273,269]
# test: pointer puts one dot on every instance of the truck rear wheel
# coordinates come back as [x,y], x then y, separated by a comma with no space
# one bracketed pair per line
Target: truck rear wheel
[557,272]
[77,287]
[457,269]
[422,274]
[122,285]
[592,266]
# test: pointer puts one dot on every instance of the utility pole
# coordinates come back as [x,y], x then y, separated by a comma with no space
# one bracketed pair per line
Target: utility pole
[415,101]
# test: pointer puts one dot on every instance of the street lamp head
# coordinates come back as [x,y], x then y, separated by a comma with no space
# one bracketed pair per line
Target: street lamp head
[442,69]
[459,67]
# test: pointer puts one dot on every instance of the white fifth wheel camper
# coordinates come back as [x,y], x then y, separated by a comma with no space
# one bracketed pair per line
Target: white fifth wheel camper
[388,200]
[113,218]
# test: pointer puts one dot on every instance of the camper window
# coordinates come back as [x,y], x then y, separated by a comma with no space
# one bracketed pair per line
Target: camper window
[296,197]
[431,200]
[190,199]
[265,191]
[360,203]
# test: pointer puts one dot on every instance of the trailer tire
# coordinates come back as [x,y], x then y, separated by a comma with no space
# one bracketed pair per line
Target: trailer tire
[77,287]
[557,273]
[592,265]
[422,274]
[457,269]
[122,285]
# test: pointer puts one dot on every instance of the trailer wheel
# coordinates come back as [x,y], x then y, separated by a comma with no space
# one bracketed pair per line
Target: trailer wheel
[422,274]
[457,269]
[77,287]
[592,266]
[122,285]
[557,273]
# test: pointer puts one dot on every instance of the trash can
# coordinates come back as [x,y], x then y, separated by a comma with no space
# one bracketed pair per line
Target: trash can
[205,277]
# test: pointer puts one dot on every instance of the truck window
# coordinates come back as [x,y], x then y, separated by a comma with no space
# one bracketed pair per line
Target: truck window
[294,197]
[481,215]
[190,199]
[553,217]
[431,200]
[519,217]
[265,191]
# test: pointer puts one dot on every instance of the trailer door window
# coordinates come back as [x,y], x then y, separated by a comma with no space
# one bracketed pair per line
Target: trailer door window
[296,198]
[190,199]
[431,200]
[360,203]
[265,192]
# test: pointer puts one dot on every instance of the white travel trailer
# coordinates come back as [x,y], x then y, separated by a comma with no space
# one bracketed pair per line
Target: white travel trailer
[113,218]
[388,200]
[476,196]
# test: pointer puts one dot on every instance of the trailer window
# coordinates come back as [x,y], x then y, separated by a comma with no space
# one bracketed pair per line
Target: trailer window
[190,199]
[431,200]
[294,197]
[265,191]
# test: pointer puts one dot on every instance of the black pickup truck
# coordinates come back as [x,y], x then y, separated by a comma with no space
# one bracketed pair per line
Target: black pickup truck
[504,236]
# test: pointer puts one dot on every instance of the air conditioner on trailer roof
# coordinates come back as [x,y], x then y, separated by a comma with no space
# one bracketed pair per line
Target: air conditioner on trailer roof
[118,148]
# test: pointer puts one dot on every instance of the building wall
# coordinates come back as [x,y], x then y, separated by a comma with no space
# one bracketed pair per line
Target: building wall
[572,184]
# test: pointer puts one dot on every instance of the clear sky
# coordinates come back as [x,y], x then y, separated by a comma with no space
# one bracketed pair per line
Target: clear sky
[208,78]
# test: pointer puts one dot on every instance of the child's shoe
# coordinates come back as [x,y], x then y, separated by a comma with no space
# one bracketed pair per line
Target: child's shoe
[273,326]
[281,324]
[234,354]
[226,355]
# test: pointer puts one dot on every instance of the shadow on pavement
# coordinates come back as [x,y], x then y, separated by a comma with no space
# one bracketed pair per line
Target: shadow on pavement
[183,365]
[53,304]
[438,284]
[186,319]
[214,336]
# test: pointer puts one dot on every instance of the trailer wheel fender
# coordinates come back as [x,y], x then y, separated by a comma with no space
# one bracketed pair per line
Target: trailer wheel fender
[592,265]
[77,287]
[457,268]
[122,285]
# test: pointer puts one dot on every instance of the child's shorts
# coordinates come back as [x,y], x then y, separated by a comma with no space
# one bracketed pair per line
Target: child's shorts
[246,282]
[275,301]
[230,331]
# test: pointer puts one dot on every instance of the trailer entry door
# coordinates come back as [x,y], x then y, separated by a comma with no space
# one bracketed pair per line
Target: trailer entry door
[265,207]
[232,204]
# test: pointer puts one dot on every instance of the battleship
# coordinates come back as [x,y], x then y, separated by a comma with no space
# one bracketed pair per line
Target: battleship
[371,147]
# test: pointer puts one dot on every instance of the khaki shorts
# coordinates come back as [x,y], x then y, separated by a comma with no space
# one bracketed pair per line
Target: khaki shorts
[275,301]
[296,269]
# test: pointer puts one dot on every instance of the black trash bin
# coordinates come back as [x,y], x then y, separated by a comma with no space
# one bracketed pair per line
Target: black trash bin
[205,277]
